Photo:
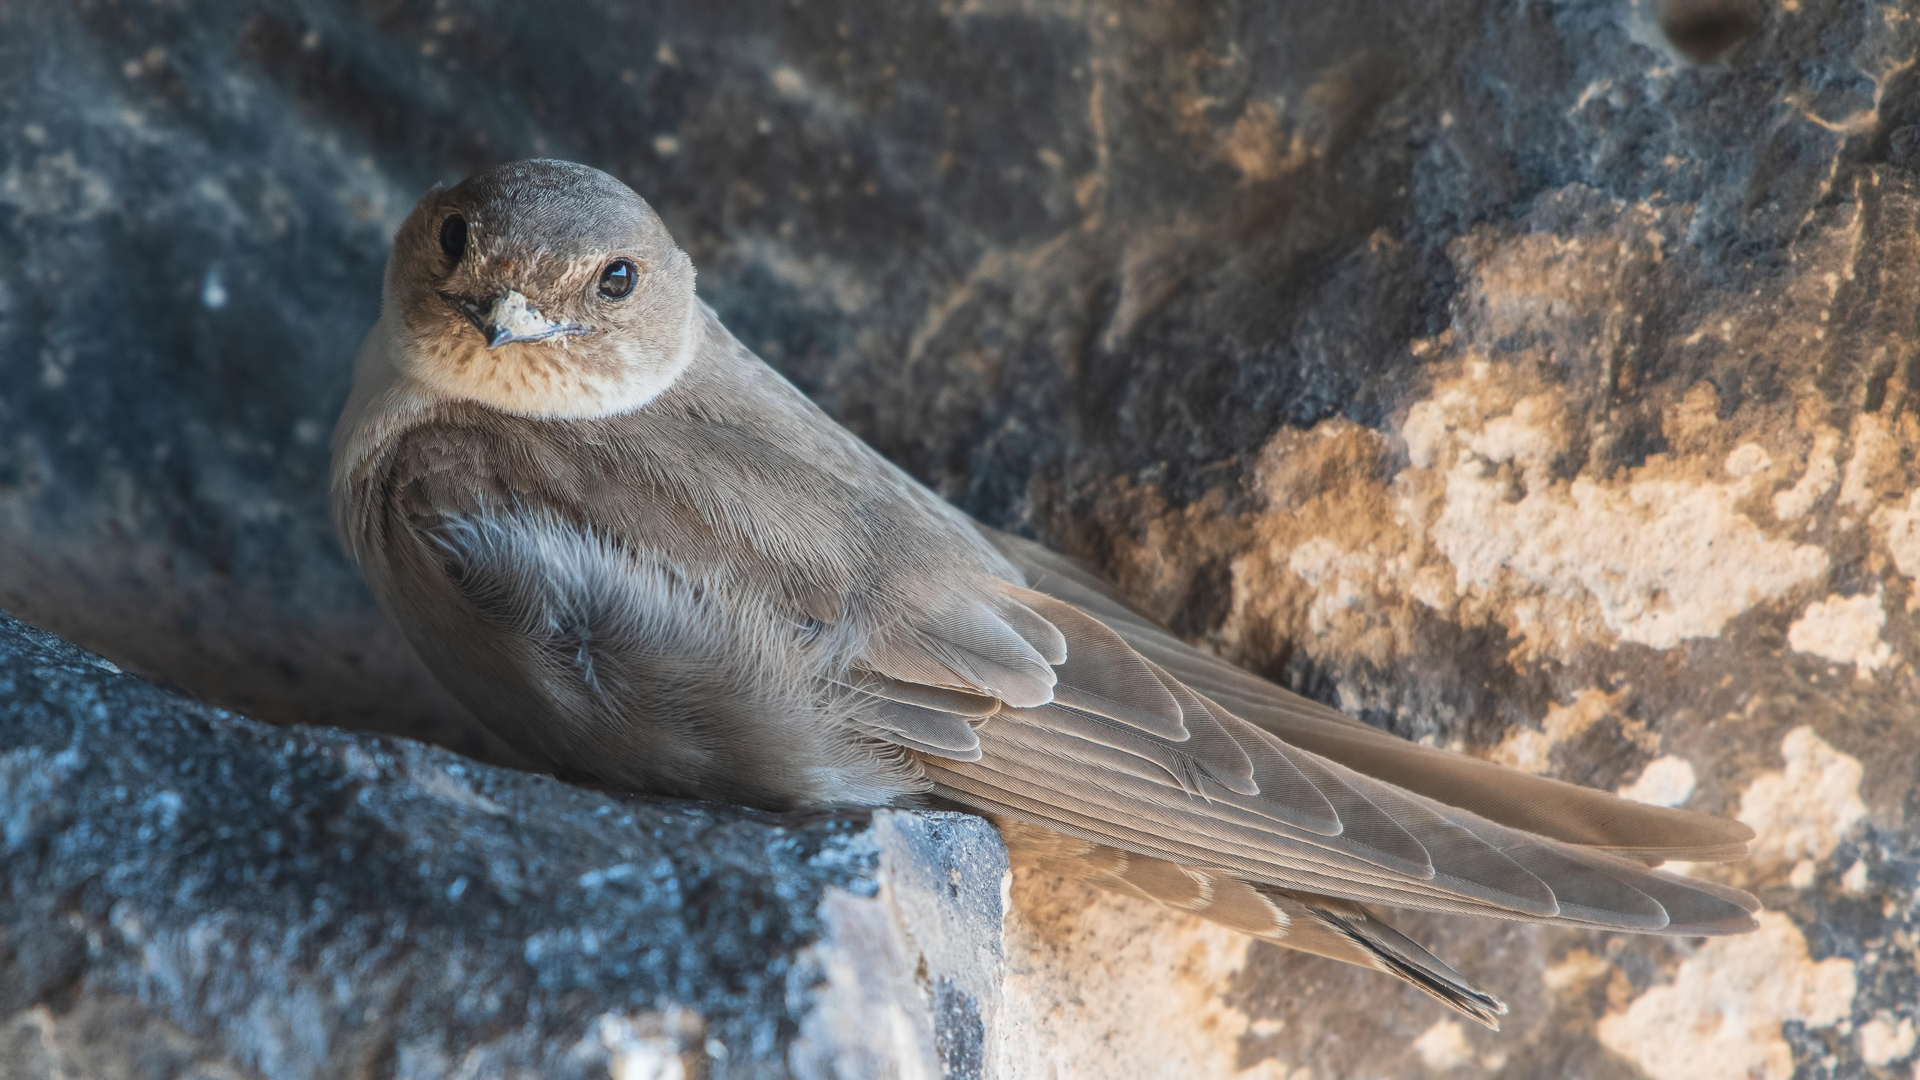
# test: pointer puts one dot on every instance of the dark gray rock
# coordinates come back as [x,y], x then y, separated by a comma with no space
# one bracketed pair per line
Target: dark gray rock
[1408,353]
[188,894]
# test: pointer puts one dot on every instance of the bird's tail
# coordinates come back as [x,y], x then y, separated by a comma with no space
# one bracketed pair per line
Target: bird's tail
[1345,931]
[1324,926]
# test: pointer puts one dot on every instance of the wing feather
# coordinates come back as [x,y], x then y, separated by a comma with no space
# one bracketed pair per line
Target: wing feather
[975,663]
[1102,674]
[1032,803]
[1045,638]
[1536,804]
[1208,739]
[1215,781]
[1257,845]
[958,702]
[928,730]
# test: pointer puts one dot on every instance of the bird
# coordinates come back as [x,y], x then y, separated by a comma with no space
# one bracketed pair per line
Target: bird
[646,560]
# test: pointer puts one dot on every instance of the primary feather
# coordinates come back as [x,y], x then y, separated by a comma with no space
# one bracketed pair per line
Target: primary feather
[641,556]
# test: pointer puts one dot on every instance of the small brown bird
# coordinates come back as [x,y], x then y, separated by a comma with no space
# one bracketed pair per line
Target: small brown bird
[641,556]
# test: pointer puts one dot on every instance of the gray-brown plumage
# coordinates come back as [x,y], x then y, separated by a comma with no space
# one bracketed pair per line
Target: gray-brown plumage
[638,554]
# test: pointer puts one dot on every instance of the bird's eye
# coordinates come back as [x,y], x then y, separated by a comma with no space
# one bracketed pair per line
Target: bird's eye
[617,279]
[453,238]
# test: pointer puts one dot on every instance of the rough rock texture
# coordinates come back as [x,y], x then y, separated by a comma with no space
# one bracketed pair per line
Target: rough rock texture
[1536,378]
[188,894]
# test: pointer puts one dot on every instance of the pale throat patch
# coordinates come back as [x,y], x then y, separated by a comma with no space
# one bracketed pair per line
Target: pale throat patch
[563,376]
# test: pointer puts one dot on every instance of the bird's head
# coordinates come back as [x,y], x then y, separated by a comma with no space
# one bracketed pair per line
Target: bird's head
[542,288]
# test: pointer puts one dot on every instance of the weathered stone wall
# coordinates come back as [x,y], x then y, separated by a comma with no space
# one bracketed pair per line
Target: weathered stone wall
[1495,370]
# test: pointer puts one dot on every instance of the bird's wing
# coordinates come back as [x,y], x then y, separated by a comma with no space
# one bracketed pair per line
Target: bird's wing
[1535,804]
[1109,729]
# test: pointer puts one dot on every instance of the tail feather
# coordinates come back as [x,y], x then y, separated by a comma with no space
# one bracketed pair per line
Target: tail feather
[1323,926]
[1344,931]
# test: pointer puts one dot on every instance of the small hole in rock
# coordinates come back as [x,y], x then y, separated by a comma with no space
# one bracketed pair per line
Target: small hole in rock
[1706,30]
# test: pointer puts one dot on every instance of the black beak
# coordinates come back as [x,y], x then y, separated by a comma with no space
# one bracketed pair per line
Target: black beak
[475,312]
[508,318]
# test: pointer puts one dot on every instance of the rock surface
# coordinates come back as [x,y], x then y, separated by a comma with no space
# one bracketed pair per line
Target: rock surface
[188,894]
[1532,378]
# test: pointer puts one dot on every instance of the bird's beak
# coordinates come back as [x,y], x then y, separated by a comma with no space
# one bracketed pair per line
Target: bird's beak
[509,318]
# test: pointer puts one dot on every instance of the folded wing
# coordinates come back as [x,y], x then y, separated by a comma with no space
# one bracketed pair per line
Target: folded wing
[1062,706]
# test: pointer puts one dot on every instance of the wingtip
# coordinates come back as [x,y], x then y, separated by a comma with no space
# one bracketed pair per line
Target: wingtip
[1726,926]
[1701,908]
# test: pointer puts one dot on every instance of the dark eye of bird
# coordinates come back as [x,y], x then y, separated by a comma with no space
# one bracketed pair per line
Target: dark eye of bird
[617,279]
[453,238]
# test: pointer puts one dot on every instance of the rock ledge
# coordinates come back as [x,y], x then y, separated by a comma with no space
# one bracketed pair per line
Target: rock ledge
[187,893]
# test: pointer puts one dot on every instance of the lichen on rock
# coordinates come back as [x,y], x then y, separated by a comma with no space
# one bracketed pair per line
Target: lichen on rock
[1721,1017]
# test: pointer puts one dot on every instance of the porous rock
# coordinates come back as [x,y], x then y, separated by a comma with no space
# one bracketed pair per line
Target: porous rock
[188,894]
[1536,379]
